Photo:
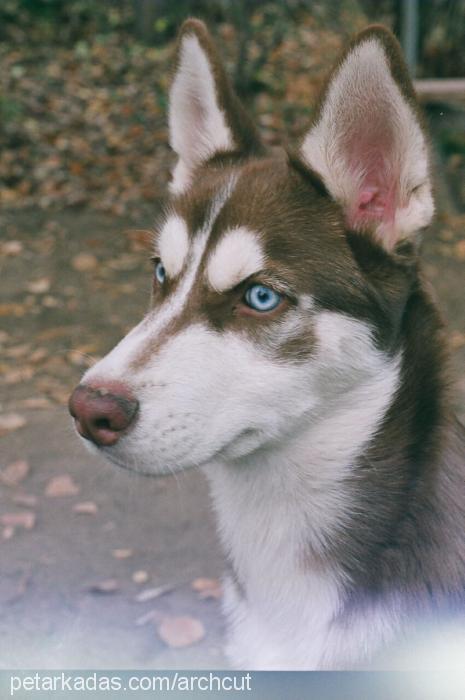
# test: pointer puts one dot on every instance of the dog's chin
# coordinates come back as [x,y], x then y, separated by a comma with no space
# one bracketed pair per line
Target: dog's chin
[146,467]
[132,462]
[241,445]
[137,467]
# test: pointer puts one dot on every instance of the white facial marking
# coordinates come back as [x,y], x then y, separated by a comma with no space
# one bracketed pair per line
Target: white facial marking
[115,364]
[173,245]
[238,255]
[198,127]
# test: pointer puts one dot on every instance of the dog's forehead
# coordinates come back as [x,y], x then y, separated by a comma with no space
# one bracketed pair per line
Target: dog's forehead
[254,215]
[261,218]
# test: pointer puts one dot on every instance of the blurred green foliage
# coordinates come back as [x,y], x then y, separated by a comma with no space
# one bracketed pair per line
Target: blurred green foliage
[452,141]
[62,20]
[441,32]
[65,20]
[442,22]
[260,26]
[10,109]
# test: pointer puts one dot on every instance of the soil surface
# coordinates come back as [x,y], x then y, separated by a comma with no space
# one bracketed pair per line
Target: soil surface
[71,585]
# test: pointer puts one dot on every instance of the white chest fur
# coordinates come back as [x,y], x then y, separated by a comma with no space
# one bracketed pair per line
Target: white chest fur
[276,510]
[284,602]
[281,615]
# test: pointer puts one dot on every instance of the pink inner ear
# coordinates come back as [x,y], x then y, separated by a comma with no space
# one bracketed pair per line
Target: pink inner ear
[377,198]
[374,203]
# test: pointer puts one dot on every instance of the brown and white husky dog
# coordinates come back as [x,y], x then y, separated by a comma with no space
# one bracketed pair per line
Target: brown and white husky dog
[293,353]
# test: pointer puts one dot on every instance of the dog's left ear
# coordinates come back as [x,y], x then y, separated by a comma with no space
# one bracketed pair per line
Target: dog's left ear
[367,143]
[206,117]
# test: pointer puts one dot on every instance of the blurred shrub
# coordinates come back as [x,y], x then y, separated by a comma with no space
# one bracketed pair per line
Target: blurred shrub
[441,33]
[258,27]
[442,25]
[71,20]
[62,20]
[442,22]
[83,100]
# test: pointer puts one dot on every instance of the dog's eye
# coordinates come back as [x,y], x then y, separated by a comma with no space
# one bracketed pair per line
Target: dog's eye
[159,272]
[261,298]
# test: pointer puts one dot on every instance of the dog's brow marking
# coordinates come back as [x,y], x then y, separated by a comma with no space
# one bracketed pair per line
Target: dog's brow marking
[158,319]
[219,201]
[173,245]
[238,255]
[135,344]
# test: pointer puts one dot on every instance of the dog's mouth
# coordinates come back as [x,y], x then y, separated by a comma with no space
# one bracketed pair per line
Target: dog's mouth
[243,443]
[134,468]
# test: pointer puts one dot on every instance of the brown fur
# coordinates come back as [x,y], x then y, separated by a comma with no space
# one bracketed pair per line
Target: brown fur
[407,530]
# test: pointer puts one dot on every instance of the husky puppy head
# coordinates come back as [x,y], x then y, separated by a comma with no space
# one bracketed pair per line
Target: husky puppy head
[279,279]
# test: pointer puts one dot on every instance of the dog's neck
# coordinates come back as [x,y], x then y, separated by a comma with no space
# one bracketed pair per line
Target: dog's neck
[281,512]
[293,497]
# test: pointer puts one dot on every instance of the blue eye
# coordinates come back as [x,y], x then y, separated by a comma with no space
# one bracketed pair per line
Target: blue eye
[262,298]
[160,272]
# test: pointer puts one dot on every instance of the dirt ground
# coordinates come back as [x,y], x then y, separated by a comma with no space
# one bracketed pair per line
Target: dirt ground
[71,582]
[95,561]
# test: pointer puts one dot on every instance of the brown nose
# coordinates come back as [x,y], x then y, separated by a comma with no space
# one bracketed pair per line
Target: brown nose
[101,413]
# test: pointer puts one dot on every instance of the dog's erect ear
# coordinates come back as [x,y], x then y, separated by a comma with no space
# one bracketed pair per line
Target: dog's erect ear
[205,116]
[367,143]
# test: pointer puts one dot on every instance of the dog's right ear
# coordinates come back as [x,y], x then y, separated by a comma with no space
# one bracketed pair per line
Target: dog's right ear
[206,117]
[368,145]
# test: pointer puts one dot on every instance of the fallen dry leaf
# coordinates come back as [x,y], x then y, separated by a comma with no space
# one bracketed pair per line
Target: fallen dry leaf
[141,239]
[12,309]
[38,355]
[85,508]
[84,262]
[15,473]
[11,248]
[51,302]
[207,587]
[17,351]
[109,585]
[140,577]
[8,532]
[152,593]
[15,376]
[122,553]
[24,519]
[460,249]
[62,485]
[52,333]
[457,340]
[28,500]
[36,403]
[39,286]
[87,348]
[79,359]
[178,632]
[10,422]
